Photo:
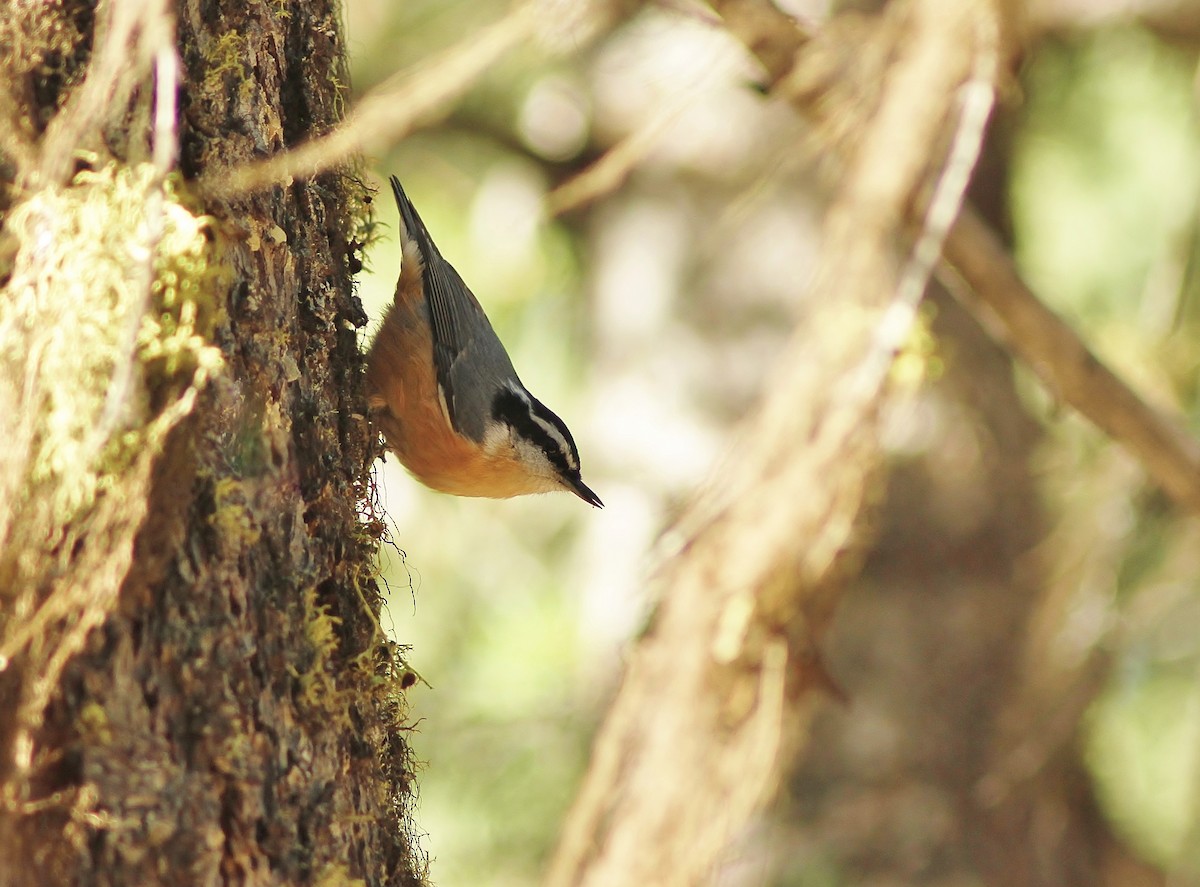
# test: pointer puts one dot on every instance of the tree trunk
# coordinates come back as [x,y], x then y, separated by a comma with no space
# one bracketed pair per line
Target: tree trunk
[198,688]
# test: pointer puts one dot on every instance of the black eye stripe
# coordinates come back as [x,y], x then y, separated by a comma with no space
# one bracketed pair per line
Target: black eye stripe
[510,407]
[540,411]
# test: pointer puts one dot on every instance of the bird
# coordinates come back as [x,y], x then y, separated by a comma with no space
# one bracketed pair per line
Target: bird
[444,392]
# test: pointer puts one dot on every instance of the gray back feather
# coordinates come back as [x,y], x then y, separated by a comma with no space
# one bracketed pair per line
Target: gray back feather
[469,359]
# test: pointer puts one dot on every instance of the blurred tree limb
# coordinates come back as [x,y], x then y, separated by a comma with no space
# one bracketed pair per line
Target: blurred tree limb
[389,112]
[825,83]
[1007,307]
[714,697]
[413,98]
[1179,19]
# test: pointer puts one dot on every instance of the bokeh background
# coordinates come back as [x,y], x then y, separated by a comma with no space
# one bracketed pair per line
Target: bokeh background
[1027,625]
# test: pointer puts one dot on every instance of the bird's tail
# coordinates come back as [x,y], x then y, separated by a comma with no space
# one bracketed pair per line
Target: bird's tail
[413,226]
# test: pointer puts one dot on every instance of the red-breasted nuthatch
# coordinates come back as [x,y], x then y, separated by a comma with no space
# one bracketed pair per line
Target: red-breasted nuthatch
[445,393]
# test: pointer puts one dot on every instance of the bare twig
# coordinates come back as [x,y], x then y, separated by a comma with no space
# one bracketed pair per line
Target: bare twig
[414,98]
[976,98]
[609,172]
[1180,18]
[157,41]
[770,35]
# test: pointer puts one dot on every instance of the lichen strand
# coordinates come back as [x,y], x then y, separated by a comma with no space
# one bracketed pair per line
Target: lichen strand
[109,295]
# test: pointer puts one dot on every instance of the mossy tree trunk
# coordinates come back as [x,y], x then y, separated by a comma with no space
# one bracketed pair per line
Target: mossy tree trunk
[198,690]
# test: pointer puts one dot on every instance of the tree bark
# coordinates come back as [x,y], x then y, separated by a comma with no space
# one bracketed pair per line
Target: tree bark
[199,688]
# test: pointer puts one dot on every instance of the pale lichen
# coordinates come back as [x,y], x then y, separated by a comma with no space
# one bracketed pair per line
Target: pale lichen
[101,344]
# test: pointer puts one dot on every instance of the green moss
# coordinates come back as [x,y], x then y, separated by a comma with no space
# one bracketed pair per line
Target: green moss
[320,627]
[232,519]
[365,229]
[337,876]
[318,689]
[93,724]
[224,56]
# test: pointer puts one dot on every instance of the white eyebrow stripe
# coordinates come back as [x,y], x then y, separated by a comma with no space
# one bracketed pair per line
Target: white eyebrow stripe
[559,439]
[518,390]
[548,423]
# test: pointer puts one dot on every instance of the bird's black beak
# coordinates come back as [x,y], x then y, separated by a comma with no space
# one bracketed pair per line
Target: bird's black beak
[580,489]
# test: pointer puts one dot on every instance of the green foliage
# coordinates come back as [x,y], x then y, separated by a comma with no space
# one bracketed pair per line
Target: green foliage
[1142,750]
[1105,190]
[1105,173]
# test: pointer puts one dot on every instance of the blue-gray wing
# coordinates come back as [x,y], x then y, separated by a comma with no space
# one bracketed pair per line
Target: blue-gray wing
[468,357]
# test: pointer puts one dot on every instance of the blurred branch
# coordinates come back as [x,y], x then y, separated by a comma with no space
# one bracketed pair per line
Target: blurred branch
[1176,18]
[410,99]
[1017,318]
[465,123]
[770,35]
[610,170]
[387,113]
[715,694]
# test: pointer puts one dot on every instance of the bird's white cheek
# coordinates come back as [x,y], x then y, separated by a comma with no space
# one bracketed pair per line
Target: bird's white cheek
[498,440]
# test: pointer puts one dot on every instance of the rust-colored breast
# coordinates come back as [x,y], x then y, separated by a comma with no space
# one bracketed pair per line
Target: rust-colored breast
[403,391]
